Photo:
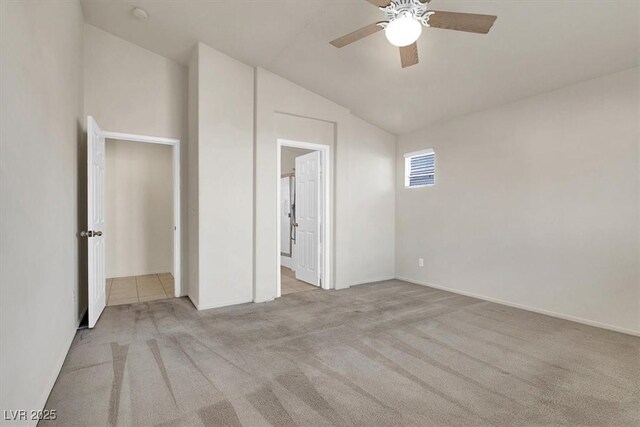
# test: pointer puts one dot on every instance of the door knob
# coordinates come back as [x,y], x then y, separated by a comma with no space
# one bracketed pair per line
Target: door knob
[90,233]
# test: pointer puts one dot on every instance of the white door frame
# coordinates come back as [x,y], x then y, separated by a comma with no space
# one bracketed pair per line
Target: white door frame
[326,224]
[177,235]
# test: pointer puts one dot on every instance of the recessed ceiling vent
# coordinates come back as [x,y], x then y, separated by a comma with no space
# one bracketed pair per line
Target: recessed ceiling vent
[141,14]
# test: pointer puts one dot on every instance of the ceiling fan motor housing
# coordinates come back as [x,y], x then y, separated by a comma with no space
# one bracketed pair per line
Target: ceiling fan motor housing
[413,8]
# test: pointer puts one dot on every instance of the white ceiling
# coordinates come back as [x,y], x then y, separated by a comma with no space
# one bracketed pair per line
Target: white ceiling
[534,46]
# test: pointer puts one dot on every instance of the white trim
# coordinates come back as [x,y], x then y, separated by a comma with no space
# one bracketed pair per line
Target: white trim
[526,307]
[201,307]
[177,235]
[407,167]
[373,280]
[287,261]
[327,225]
[419,153]
[418,186]
[59,364]
[140,138]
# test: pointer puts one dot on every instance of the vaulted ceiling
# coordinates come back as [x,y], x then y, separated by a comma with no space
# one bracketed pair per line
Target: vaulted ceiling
[534,46]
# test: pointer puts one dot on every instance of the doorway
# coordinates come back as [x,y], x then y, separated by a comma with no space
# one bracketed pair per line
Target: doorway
[138,222]
[97,223]
[303,217]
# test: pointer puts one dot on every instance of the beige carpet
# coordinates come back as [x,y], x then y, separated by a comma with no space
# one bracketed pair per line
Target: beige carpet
[388,353]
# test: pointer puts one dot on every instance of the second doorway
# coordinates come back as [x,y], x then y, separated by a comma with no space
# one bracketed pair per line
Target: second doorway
[300,216]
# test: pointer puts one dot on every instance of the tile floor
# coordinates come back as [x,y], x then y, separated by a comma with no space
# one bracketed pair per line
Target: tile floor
[290,285]
[129,290]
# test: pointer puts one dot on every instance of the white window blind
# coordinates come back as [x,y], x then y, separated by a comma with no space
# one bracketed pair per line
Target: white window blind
[420,168]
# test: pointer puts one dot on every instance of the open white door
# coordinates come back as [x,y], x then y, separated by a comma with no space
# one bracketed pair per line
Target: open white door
[95,220]
[308,191]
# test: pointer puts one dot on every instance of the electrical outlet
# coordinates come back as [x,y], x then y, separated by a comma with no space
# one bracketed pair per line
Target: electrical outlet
[420,262]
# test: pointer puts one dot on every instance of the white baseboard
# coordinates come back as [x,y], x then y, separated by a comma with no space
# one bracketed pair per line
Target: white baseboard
[525,307]
[201,307]
[52,380]
[286,261]
[373,280]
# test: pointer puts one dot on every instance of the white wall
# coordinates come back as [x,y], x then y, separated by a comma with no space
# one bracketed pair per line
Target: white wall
[139,208]
[224,126]
[277,95]
[193,289]
[41,297]
[285,110]
[233,212]
[536,203]
[132,90]
[371,203]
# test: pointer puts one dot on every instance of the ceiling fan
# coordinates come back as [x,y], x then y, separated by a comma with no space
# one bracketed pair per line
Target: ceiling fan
[405,19]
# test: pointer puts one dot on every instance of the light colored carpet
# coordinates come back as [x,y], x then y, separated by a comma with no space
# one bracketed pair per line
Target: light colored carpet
[388,353]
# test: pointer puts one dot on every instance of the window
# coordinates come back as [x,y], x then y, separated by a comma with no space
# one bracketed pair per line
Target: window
[420,168]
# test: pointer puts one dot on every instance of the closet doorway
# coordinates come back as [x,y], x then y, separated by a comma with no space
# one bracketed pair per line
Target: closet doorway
[124,210]
[139,222]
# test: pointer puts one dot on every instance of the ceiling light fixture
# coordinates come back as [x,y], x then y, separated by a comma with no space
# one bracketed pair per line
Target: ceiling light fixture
[404,22]
[403,31]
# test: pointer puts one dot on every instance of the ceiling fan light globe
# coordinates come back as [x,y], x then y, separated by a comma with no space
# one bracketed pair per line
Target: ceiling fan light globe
[403,31]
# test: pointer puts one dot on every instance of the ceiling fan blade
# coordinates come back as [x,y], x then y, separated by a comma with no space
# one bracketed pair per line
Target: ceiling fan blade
[380,3]
[356,35]
[409,55]
[469,22]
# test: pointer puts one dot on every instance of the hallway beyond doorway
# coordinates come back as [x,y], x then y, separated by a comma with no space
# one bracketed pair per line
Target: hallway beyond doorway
[290,285]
